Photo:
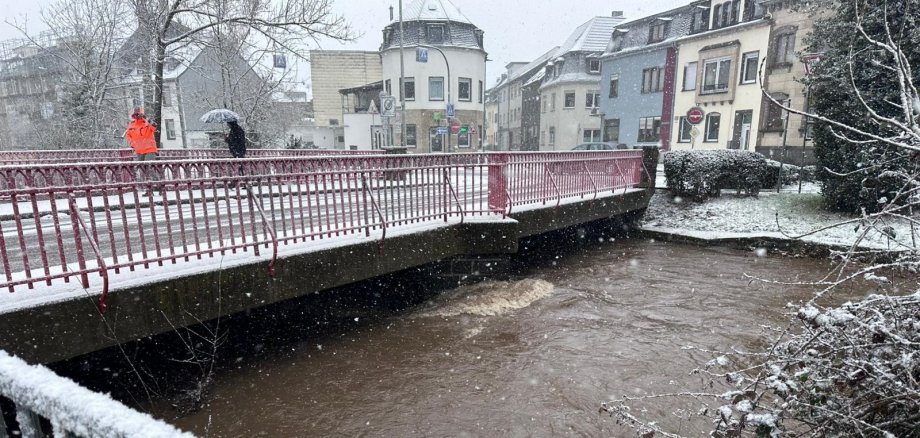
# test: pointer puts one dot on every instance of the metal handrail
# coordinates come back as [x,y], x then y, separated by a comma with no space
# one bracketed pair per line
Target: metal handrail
[268,226]
[552,179]
[454,193]
[591,178]
[103,270]
[383,219]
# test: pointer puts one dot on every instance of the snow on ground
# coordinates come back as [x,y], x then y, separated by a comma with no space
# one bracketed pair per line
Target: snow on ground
[735,216]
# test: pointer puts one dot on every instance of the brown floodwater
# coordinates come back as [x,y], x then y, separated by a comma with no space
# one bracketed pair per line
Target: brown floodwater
[531,357]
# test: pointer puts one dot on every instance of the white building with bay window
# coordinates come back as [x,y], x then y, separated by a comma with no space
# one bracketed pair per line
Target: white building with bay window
[439,27]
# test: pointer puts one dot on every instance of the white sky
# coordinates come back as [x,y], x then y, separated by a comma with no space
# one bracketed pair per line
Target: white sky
[515,30]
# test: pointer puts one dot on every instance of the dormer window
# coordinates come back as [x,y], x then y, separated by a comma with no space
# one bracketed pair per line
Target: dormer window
[658,30]
[616,40]
[700,20]
[594,65]
[435,33]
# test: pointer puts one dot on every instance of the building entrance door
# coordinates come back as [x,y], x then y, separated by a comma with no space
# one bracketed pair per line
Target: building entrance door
[741,135]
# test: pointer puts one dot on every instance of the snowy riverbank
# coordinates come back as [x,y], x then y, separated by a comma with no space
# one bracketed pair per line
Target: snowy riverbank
[787,215]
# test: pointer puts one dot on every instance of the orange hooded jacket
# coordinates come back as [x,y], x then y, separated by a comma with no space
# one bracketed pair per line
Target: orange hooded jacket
[140,137]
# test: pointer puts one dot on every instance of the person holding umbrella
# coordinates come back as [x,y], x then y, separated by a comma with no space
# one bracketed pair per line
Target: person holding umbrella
[236,138]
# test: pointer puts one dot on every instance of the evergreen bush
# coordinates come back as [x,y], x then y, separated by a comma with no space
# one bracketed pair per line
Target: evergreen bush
[702,174]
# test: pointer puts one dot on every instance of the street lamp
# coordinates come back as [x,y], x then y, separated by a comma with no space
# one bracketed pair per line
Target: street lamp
[447,64]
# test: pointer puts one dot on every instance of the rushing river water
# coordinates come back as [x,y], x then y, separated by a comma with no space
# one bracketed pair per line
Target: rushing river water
[530,357]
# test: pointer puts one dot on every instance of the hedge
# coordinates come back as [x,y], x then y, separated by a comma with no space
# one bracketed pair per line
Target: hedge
[701,174]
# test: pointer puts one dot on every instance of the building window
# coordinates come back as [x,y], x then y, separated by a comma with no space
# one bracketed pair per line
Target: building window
[569,99]
[717,16]
[137,97]
[552,136]
[167,97]
[411,136]
[699,21]
[542,138]
[612,130]
[552,103]
[715,75]
[465,90]
[410,89]
[784,50]
[690,72]
[652,80]
[436,88]
[170,125]
[592,99]
[463,138]
[658,31]
[616,44]
[614,86]
[683,135]
[435,33]
[712,127]
[481,92]
[749,67]
[594,66]
[649,129]
[387,87]
[591,135]
[774,117]
[545,103]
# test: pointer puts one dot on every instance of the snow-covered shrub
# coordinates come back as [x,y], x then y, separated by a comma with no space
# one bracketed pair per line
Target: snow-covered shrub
[790,173]
[702,174]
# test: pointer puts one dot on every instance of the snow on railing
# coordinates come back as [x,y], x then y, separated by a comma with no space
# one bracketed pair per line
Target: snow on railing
[74,221]
[126,154]
[71,410]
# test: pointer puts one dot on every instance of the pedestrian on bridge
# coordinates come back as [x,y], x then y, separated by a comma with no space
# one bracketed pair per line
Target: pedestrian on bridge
[141,138]
[236,141]
[140,135]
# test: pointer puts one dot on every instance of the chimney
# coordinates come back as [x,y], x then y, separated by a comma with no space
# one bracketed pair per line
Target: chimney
[391,13]
[617,14]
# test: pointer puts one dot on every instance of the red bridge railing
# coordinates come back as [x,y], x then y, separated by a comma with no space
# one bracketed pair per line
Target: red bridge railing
[63,223]
[126,154]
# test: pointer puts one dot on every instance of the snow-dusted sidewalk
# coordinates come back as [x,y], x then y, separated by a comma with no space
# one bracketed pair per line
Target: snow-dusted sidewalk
[775,215]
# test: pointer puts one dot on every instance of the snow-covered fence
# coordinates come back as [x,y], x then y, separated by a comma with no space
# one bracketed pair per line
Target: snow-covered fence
[42,396]
[126,154]
[65,222]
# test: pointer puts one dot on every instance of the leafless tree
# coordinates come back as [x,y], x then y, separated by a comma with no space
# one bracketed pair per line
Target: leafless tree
[285,23]
[83,37]
[835,370]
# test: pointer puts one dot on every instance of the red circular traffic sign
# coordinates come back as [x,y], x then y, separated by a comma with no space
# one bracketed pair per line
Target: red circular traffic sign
[695,115]
[455,126]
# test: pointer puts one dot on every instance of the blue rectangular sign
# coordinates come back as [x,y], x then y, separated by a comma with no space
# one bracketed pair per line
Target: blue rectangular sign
[442,130]
[421,55]
[450,110]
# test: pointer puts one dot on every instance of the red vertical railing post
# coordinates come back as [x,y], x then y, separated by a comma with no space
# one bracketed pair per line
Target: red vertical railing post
[498,182]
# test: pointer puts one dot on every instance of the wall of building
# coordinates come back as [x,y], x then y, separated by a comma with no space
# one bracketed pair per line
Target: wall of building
[631,103]
[530,117]
[787,80]
[731,42]
[331,71]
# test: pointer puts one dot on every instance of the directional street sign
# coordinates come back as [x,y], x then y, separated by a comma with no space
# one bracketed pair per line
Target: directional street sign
[450,110]
[442,130]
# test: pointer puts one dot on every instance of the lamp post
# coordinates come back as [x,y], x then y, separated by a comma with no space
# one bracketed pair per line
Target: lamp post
[402,79]
[447,64]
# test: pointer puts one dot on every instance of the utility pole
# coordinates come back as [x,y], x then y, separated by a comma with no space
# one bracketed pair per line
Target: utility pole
[402,80]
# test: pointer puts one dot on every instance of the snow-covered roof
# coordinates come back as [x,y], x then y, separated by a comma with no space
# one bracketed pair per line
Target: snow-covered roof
[536,63]
[433,10]
[592,36]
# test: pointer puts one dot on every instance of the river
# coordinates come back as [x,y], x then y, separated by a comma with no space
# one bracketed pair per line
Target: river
[531,357]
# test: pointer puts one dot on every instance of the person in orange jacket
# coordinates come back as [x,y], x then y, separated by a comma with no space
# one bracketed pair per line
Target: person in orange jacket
[140,135]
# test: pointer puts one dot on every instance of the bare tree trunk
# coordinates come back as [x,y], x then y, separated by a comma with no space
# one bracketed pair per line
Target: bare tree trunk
[158,67]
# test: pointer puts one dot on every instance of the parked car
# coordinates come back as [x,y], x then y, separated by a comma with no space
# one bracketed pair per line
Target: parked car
[599,146]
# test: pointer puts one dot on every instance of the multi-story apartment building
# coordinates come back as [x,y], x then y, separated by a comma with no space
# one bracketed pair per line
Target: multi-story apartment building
[490,141]
[780,139]
[639,69]
[718,63]
[570,88]
[331,71]
[452,74]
